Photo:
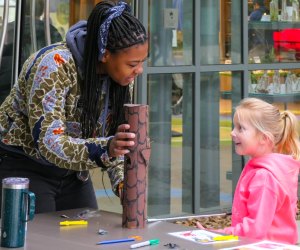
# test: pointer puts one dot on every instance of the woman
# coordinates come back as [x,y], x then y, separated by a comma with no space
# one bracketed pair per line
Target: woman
[65,114]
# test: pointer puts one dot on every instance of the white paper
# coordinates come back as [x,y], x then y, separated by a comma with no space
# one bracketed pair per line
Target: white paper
[199,236]
[263,245]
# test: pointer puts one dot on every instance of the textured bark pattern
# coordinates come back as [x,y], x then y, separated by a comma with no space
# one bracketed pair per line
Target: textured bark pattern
[134,195]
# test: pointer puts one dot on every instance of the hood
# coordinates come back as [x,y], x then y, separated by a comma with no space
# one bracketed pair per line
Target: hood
[75,39]
[283,167]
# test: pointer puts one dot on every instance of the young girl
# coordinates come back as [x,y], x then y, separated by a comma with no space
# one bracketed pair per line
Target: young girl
[265,199]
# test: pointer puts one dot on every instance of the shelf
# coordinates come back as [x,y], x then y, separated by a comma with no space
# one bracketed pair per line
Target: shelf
[278,25]
[226,95]
[286,98]
[277,97]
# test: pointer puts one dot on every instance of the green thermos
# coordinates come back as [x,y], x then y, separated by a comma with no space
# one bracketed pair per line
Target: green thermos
[17,207]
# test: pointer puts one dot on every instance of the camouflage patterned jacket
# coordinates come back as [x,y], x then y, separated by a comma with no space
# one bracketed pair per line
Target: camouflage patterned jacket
[41,116]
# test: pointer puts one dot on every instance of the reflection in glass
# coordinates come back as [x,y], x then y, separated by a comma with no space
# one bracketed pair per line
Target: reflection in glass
[33,32]
[6,60]
[33,37]
[220,31]
[275,82]
[219,93]
[170,126]
[275,37]
[171,29]
[60,15]
[288,94]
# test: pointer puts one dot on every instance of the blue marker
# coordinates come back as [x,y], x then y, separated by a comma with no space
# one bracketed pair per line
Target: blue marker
[114,241]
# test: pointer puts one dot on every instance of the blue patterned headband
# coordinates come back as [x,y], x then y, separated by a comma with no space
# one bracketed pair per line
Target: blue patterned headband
[103,31]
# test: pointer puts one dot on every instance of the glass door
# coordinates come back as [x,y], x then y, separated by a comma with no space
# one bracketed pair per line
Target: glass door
[8,16]
[28,25]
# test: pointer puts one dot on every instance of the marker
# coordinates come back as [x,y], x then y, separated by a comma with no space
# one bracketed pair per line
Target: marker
[73,222]
[225,237]
[114,241]
[145,243]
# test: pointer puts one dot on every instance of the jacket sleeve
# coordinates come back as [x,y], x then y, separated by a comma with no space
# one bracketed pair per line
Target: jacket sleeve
[116,175]
[52,92]
[261,207]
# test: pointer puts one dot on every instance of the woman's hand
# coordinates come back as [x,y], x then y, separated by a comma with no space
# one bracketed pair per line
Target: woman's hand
[120,190]
[121,141]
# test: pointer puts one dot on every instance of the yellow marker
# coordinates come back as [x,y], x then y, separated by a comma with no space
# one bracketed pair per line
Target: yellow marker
[225,237]
[73,222]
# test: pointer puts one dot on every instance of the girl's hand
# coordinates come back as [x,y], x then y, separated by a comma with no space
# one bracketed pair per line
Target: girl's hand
[121,141]
[199,225]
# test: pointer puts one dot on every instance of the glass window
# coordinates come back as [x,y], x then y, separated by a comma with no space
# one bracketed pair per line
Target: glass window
[274,32]
[6,61]
[220,31]
[281,87]
[219,93]
[33,27]
[33,34]
[171,29]
[170,127]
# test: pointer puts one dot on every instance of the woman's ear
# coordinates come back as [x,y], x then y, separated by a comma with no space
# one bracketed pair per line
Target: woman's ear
[105,56]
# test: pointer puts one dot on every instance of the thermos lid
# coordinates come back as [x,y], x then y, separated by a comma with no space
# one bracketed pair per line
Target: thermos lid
[15,183]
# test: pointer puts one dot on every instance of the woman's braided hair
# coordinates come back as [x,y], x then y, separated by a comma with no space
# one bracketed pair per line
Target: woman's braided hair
[124,31]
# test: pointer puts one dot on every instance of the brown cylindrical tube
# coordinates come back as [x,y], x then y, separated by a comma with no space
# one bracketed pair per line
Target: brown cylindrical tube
[134,195]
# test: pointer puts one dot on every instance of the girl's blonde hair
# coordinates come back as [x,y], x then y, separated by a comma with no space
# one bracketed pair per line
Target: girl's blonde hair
[280,127]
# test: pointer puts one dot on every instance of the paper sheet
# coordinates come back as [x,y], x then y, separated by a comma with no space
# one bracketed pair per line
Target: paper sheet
[263,245]
[200,236]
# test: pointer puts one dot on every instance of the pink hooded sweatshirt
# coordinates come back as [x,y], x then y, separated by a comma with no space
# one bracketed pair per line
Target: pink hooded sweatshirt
[265,199]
